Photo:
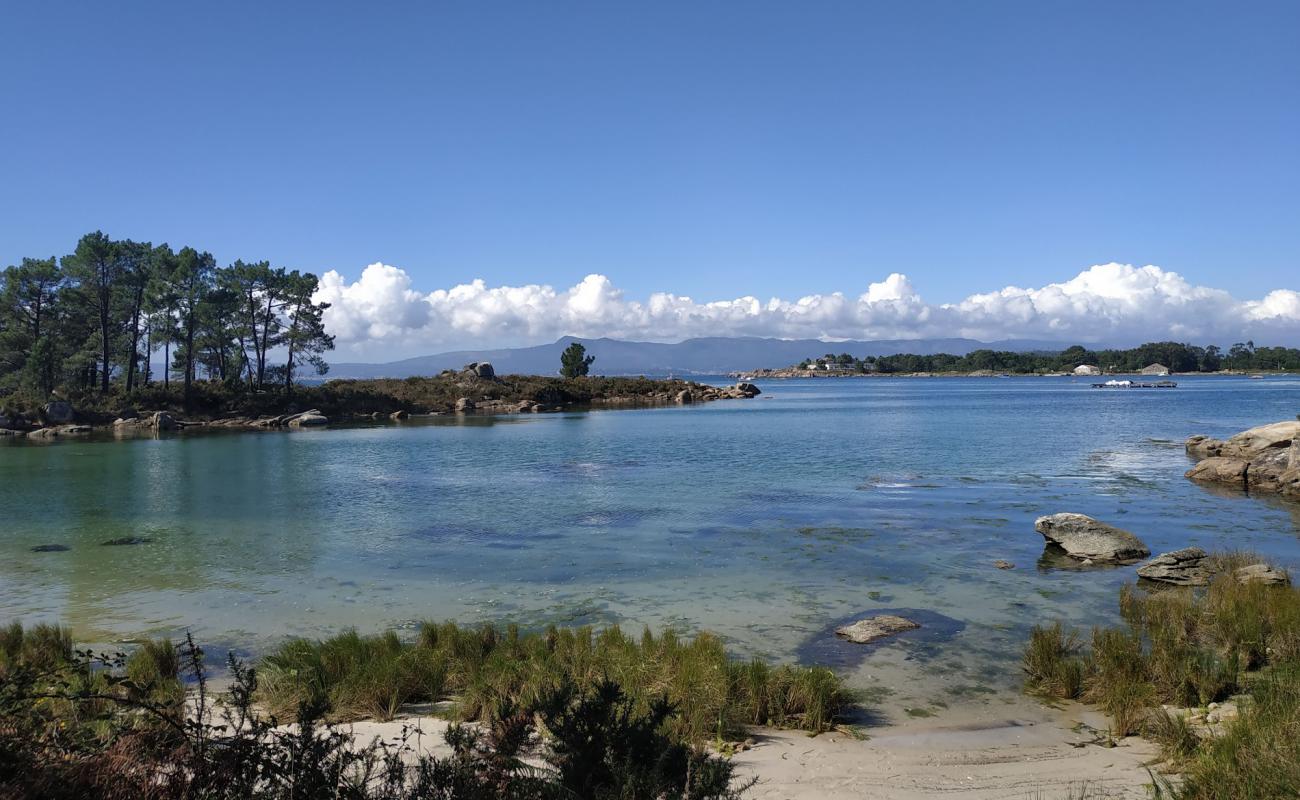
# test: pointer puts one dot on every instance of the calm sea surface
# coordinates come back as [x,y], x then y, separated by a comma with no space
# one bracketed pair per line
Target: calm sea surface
[765,520]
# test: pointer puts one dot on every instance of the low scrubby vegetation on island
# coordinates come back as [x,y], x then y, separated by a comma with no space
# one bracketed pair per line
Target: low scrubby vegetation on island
[1180,650]
[349,398]
[557,714]
[1176,356]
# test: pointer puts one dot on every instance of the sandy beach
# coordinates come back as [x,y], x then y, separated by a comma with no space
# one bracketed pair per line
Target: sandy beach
[1023,750]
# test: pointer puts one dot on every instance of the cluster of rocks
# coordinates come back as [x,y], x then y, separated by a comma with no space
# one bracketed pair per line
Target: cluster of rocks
[741,391]
[156,421]
[1092,541]
[465,405]
[693,393]
[479,369]
[53,431]
[1210,721]
[312,418]
[1263,459]
[55,418]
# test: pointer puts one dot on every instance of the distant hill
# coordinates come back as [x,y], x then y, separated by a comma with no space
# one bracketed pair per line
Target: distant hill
[704,356]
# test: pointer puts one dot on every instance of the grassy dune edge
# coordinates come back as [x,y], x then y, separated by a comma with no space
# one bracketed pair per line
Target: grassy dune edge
[1212,674]
[559,713]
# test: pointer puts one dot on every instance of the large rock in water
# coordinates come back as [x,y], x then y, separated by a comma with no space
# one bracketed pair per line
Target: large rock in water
[873,628]
[1186,567]
[1263,459]
[1087,539]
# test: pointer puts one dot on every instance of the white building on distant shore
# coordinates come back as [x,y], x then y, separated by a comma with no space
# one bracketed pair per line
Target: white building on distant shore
[1086,369]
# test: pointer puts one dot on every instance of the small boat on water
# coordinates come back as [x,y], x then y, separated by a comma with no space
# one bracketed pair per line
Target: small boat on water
[1257,377]
[1127,384]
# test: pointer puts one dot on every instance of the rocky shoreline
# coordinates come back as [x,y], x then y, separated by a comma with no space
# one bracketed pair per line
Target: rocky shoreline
[1265,459]
[59,419]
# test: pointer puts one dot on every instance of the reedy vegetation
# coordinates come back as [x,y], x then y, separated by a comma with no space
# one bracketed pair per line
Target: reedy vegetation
[95,317]
[72,726]
[488,672]
[1190,647]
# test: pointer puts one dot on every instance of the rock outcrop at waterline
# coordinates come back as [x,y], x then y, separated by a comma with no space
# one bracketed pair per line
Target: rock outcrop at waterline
[1185,567]
[1264,459]
[462,393]
[1089,540]
[1192,566]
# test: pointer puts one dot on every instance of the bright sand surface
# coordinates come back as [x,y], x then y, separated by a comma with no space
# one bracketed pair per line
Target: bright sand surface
[1023,750]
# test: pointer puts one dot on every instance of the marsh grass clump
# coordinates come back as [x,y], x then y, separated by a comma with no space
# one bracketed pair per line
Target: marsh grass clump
[1190,647]
[1052,664]
[492,673]
[353,676]
[154,670]
[41,647]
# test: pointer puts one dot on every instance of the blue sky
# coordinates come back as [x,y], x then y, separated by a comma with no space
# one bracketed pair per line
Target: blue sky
[712,149]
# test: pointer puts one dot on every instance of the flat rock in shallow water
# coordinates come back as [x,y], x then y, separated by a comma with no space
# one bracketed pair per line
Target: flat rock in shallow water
[1087,539]
[873,628]
[1184,567]
[824,648]
[61,430]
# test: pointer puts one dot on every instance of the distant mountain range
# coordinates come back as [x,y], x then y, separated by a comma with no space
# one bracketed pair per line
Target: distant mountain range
[704,356]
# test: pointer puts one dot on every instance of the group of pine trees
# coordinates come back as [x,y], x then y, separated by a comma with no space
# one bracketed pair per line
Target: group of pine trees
[94,320]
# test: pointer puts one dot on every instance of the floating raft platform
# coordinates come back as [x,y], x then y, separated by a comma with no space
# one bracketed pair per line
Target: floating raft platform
[1135,385]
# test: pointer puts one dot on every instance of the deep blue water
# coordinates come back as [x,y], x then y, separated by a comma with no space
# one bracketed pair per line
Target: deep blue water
[765,520]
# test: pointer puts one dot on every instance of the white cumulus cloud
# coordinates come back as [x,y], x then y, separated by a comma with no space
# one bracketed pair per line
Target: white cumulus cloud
[381,315]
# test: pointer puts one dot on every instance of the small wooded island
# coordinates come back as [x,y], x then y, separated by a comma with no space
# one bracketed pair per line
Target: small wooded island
[79,336]
[472,390]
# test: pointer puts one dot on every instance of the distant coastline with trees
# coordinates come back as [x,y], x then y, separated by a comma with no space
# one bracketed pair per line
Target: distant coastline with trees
[1175,356]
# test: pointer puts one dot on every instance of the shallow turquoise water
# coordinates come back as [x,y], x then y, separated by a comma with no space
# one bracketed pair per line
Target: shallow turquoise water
[766,520]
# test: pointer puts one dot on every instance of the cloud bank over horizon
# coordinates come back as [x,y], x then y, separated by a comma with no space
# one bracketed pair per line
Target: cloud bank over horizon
[382,316]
